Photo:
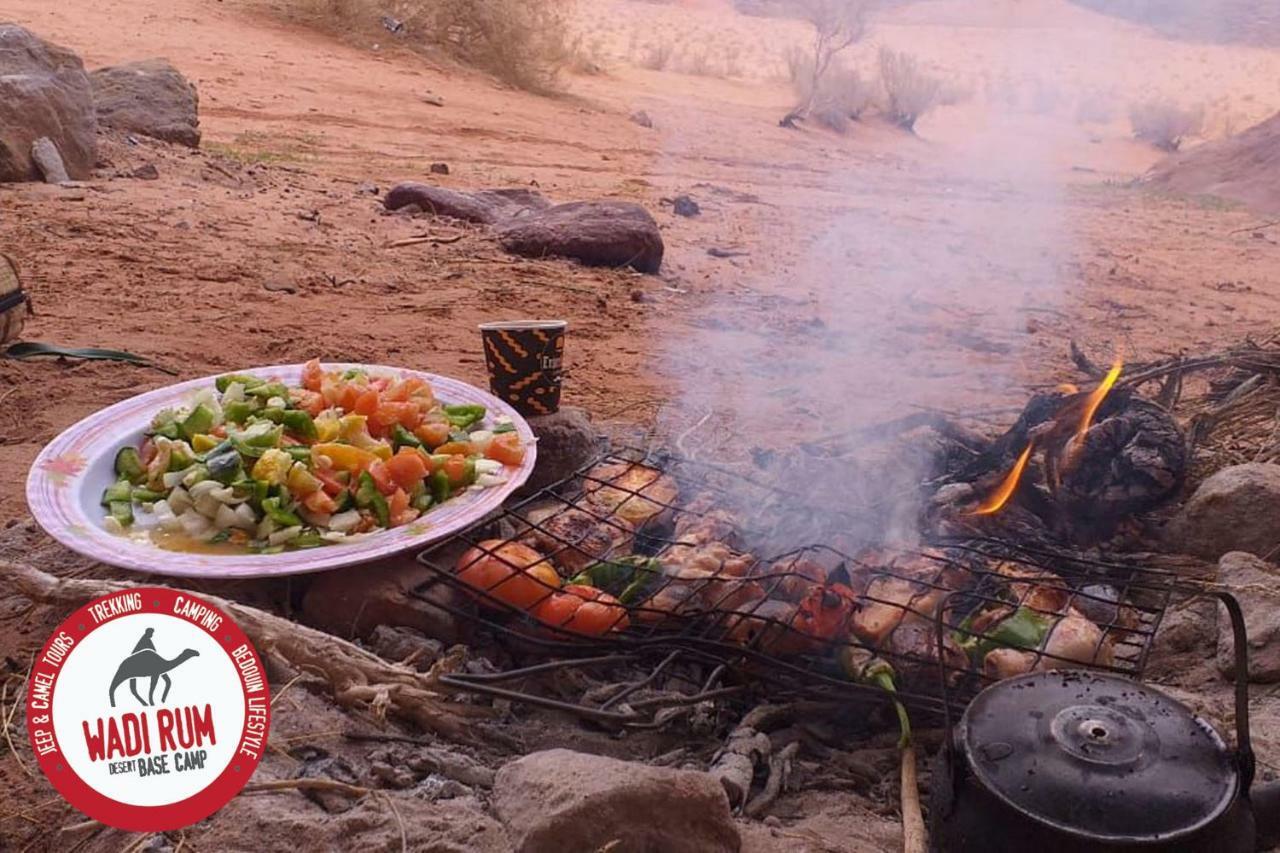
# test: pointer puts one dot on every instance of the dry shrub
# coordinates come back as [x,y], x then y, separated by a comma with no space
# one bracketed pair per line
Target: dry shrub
[522,42]
[657,56]
[842,94]
[1164,124]
[909,90]
[837,25]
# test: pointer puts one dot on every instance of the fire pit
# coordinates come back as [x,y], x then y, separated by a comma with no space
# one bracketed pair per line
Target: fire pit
[694,589]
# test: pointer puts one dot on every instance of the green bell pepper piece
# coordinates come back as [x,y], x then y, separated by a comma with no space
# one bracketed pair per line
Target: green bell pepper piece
[146,496]
[299,452]
[300,424]
[401,437]
[281,516]
[368,497]
[180,460]
[440,489]
[239,411]
[306,539]
[423,502]
[222,383]
[169,430]
[1023,629]
[464,415]
[121,490]
[199,421]
[344,501]
[267,390]
[129,465]
[501,428]
[226,467]
[122,511]
[629,576]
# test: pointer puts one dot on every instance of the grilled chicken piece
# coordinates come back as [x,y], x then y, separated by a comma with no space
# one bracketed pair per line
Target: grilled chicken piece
[1073,640]
[767,627]
[574,538]
[918,583]
[637,493]
[671,600]
[791,578]
[1042,591]
[715,557]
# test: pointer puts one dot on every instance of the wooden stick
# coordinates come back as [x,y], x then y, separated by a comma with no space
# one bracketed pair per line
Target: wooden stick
[914,837]
[425,238]
[357,678]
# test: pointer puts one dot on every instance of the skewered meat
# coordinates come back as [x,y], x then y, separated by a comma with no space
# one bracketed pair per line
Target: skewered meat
[791,578]
[622,488]
[715,557]
[767,627]
[1036,590]
[1073,639]
[574,538]
[701,521]
[671,600]
[915,582]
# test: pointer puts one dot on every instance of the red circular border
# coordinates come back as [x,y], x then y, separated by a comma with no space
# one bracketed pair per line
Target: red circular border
[125,816]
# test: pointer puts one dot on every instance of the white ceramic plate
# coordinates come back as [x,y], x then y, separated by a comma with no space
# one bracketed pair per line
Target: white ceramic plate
[67,479]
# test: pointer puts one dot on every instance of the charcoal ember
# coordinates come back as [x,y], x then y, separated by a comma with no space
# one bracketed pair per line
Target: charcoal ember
[398,643]
[1132,460]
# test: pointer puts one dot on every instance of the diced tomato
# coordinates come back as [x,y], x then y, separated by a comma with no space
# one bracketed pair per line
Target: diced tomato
[328,482]
[220,431]
[347,396]
[382,477]
[320,502]
[380,384]
[407,468]
[506,448]
[312,402]
[456,448]
[367,403]
[433,433]
[398,503]
[312,375]
[147,452]
[455,468]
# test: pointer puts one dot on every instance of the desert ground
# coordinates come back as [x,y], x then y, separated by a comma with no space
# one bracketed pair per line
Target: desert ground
[869,274]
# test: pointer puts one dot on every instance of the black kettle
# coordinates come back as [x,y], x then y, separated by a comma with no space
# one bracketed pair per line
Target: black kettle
[1073,761]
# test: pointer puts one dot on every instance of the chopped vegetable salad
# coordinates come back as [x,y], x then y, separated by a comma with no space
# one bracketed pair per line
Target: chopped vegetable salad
[255,463]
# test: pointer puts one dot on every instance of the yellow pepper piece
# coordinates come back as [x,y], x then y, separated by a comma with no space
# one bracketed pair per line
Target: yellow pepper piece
[343,457]
[202,443]
[273,466]
[301,482]
[327,428]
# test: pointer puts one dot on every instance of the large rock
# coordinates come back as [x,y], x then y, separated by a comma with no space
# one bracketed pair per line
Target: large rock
[150,98]
[567,441]
[560,800]
[1236,509]
[598,233]
[1256,585]
[353,602]
[44,92]
[484,206]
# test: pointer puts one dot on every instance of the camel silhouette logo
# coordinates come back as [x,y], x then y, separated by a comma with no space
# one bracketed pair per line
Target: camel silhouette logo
[145,662]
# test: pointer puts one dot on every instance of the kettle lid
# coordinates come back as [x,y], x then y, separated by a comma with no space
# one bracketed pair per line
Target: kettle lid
[1097,756]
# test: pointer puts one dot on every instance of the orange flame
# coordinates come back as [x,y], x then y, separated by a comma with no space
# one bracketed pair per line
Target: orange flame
[997,499]
[1095,400]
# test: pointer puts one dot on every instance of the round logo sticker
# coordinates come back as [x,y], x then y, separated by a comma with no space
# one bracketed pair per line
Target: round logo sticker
[148,709]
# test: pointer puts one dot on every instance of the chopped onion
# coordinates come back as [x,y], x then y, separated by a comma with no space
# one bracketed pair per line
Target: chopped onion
[481,439]
[334,536]
[248,520]
[287,535]
[488,466]
[487,481]
[195,524]
[344,522]
[179,500]
[165,516]
[195,474]
[266,527]
[204,487]
[112,524]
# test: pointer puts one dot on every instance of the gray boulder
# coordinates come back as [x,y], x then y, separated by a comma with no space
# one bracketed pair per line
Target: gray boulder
[597,233]
[1256,585]
[1236,509]
[48,161]
[560,800]
[485,206]
[150,98]
[44,92]
[567,441]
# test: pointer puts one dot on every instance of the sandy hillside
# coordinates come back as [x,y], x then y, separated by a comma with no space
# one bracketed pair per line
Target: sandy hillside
[867,275]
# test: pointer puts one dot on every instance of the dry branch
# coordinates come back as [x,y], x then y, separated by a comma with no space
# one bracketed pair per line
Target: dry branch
[748,746]
[357,678]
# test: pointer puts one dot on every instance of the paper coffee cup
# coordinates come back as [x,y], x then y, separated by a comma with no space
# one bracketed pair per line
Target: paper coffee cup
[524,359]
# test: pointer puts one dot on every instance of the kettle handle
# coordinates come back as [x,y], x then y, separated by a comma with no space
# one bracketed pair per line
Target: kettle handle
[1240,642]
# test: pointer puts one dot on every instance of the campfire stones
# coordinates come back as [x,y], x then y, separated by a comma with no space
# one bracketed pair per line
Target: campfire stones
[561,800]
[566,442]
[1235,509]
[354,602]
[1256,584]
[150,98]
